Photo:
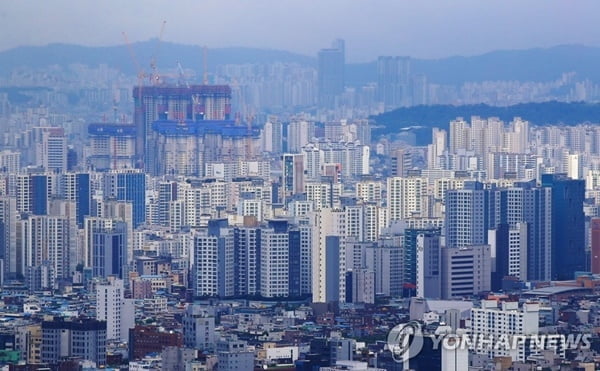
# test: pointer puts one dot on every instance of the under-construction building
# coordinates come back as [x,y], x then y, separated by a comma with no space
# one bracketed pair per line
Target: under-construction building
[176,103]
[112,146]
[185,147]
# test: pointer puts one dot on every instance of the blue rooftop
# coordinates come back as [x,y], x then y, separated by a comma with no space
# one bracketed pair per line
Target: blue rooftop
[113,130]
[226,128]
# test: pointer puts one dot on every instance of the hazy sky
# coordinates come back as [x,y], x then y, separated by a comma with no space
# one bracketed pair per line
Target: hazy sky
[419,28]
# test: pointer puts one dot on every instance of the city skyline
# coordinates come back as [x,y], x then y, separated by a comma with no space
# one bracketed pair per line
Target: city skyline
[280,212]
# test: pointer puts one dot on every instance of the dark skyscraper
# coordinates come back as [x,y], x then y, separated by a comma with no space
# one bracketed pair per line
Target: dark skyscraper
[393,81]
[331,73]
[568,225]
[77,187]
[82,197]
[129,185]
[109,251]
[39,194]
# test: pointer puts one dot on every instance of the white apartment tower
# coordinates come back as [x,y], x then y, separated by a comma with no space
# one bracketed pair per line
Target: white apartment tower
[328,255]
[112,307]
[300,133]
[198,328]
[406,197]
[369,191]
[206,267]
[274,264]
[459,135]
[494,321]
[42,239]
[10,162]
[271,136]
[51,150]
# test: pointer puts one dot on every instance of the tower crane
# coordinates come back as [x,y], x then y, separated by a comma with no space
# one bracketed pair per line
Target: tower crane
[155,75]
[141,74]
[139,107]
[182,78]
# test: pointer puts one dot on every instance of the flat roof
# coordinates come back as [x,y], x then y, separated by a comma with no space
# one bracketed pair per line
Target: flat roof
[111,130]
[555,290]
[199,128]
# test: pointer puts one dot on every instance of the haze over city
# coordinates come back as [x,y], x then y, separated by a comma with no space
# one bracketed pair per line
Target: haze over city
[299,185]
[422,29]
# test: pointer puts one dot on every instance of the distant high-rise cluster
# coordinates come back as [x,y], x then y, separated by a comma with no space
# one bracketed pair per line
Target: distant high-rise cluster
[393,81]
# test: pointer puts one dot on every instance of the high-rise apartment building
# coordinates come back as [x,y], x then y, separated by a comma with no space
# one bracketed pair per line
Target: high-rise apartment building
[406,197]
[385,259]
[109,251]
[112,146]
[293,175]
[272,136]
[43,239]
[213,261]
[393,81]
[328,255]
[459,135]
[331,80]
[114,309]
[401,162]
[494,321]
[466,216]
[10,162]
[51,150]
[8,237]
[274,263]
[83,338]
[428,272]
[130,186]
[77,187]
[299,134]
[510,244]
[527,203]
[198,328]
[411,249]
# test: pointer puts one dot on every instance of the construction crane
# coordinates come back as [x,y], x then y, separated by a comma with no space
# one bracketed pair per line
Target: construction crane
[155,75]
[182,78]
[141,75]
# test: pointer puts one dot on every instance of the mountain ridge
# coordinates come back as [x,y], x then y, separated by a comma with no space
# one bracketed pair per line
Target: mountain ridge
[509,65]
